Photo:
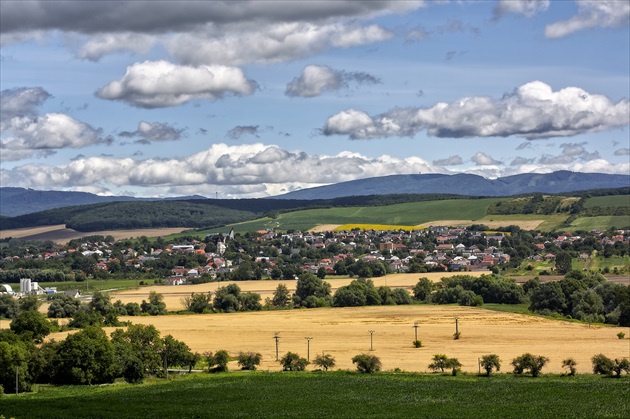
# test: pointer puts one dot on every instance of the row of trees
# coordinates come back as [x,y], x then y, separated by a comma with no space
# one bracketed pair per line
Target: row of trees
[89,357]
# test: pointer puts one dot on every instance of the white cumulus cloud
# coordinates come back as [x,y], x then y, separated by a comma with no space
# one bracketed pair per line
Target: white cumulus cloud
[528,8]
[159,84]
[531,111]
[592,14]
[317,79]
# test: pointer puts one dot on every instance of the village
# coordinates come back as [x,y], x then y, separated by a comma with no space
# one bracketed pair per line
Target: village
[283,255]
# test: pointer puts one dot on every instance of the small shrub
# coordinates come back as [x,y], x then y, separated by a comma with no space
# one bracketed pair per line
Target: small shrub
[621,335]
[602,364]
[367,363]
[457,335]
[490,362]
[218,362]
[249,360]
[570,364]
[324,361]
[528,362]
[417,344]
[292,362]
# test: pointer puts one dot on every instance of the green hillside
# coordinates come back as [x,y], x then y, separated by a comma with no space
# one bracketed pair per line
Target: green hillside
[600,223]
[608,201]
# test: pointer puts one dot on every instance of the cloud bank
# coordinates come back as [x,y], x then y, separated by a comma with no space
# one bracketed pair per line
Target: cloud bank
[532,111]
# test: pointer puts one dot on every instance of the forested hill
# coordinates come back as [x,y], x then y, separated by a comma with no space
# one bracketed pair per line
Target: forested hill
[20,201]
[198,213]
[466,184]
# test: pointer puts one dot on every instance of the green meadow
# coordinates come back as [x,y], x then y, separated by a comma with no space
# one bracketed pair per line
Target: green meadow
[608,201]
[333,394]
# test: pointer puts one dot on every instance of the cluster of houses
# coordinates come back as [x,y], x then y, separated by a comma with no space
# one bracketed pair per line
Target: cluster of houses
[438,248]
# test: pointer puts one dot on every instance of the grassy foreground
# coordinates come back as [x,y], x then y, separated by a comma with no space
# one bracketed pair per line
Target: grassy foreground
[334,394]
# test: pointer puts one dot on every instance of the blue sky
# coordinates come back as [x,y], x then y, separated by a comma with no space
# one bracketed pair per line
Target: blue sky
[258,98]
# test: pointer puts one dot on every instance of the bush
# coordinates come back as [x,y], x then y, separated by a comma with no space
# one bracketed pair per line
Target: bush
[417,344]
[570,364]
[324,361]
[457,335]
[621,335]
[218,362]
[490,362]
[292,362]
[602,364]
[367,363]
[454,365]
[439,363]
[528,362]
[249,360]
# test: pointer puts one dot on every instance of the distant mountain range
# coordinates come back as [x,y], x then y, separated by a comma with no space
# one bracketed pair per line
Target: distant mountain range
[20,201]
[465,184]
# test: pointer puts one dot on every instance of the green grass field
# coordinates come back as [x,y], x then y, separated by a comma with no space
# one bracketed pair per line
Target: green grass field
[600,262]
[608,201]
[94,284]
[412,213]
[600,223]
[333,394]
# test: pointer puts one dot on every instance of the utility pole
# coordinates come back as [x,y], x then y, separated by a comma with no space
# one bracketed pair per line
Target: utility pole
[371,341]
[17,380]
[276,336]
[415,326]
[308,348]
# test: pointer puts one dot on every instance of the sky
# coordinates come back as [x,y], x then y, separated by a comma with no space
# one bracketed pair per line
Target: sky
[236,99]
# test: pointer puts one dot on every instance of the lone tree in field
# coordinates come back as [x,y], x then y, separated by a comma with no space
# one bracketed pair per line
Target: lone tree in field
[324,361]
[570,364]
[367,363]
[439,363]
[293,362]
[621,365]
[528,362]
[454,365]
[490,362]
[249,360]
[218,362]
[602,364]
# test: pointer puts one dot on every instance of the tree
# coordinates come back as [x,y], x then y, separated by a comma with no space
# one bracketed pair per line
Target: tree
[14,355]
[33,323]
[324,361]
[602,364]
[86,357]
[439,363]
[8,306]
[548,296]
[454,365]
[143,341]
[249,360]
[198,302]
[84,317]
[281,296]
[63,306]
[620,365]
[176,352]
[293,362]
[155,306]
[423,289]
[310,285]
[490,362]
[366,363]
[528,362]
[30,302]
[563,262]
[321,273]
[101,303]
[218,362]
[570,364]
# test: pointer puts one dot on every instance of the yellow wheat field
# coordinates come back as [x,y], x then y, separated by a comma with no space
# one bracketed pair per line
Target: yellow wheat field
[343,332]
[173,294]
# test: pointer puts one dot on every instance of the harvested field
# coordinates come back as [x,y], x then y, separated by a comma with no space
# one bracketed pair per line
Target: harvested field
[343,332]
[174,294]
[320,228]
[61,234]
